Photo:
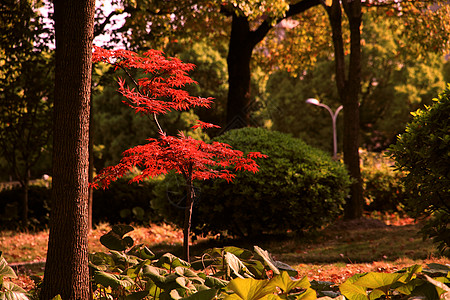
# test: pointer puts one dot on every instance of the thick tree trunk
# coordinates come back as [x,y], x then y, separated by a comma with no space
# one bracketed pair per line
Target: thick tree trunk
[91,165]
[66,271]
[348,86]
[239,56]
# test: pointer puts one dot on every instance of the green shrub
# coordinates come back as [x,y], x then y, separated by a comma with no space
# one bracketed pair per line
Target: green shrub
[383,187]
[297,188]
[423,152]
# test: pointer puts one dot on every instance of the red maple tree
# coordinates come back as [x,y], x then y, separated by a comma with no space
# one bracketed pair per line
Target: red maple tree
[159,92]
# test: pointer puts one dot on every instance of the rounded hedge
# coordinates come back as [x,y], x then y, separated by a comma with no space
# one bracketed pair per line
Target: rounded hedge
[297,187]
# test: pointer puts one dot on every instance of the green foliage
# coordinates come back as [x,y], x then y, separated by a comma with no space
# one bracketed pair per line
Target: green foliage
[26,89]
[394,83]
[297,188]
[9,290]
[423,153]
[383,187]
[210,74]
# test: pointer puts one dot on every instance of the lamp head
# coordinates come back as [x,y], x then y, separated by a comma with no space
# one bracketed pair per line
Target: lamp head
[312,101]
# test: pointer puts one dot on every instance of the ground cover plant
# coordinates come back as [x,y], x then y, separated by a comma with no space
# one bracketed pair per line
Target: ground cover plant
[124,267]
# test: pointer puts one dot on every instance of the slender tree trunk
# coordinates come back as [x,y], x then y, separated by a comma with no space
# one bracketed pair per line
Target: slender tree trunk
[26,188]
[349,86]
[188,215]
[66,271]
[354,209]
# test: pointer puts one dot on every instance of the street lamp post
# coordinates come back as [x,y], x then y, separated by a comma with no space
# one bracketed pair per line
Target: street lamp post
[333,118]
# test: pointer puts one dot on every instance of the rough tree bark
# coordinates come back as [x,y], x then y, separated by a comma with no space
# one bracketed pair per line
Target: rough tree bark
[349,86]
[66,271]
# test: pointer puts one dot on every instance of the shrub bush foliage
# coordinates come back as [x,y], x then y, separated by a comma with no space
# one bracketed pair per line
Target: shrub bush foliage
[383,187]
[423,152]
[298,187]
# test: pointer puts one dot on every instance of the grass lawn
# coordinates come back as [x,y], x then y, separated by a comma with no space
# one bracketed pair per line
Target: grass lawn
[334,254]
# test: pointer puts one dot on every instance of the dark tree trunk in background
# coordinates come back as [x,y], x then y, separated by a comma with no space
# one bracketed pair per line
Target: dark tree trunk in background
[66,271]
[242,42]
[349,86]
[239,56]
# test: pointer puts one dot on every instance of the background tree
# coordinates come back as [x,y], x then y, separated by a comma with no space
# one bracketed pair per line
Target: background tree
[394,83]
[26,74]
[348,82]
[66,271]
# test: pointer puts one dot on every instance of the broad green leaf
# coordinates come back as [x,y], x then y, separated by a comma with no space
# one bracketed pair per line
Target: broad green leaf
[409,287]
[112,280]
[203,295]
[339,297]
[256,268]
[440,284]
[284,282]
[251,289]
[189,274]
[267,259]
[352,291]
[380,281]
[11,291]
[101,259]
[236,265]
[309,294]
[202,263]
[169,282]
[375,294]
[410,272]
[57,297]
[137,295]
[213,282]
[5,270]
[122,258]
[182,282]
[153,290]
[142,251]
[114,239]
[285,267]
[437,268]
[170,262]
[147,269]
[239,252]
[175,295]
